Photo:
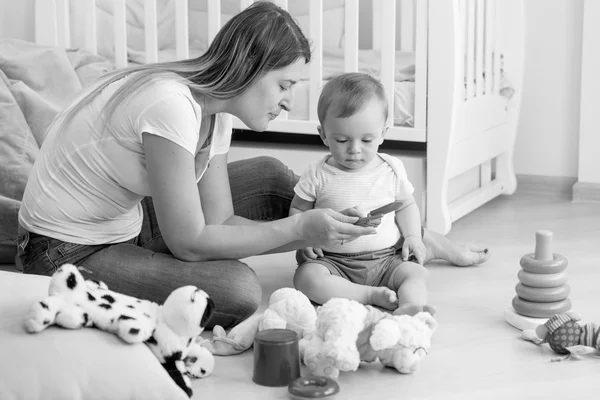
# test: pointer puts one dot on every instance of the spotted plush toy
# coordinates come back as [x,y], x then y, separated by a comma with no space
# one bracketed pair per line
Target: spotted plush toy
[566,335]
[169,330]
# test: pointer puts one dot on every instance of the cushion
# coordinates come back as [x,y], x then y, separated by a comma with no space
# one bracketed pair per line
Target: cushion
[36,82]
[70,364]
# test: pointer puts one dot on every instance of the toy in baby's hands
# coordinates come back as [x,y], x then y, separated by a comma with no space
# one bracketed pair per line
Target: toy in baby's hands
[566,335]
[348,332]
[168,330]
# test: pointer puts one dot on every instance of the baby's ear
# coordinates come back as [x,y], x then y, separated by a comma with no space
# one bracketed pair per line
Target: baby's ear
[322,134]
[384,131]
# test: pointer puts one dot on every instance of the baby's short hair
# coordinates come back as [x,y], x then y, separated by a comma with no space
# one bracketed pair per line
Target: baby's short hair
[346,94]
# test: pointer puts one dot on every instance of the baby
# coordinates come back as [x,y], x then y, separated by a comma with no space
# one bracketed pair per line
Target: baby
[372,269]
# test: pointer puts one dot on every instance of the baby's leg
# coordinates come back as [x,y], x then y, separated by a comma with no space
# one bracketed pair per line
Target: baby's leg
[319,285]
[410,279]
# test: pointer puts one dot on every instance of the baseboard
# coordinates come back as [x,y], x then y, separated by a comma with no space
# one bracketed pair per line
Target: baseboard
[586,192]
[546,185]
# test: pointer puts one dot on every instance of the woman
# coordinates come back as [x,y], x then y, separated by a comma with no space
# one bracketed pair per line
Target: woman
[132,182]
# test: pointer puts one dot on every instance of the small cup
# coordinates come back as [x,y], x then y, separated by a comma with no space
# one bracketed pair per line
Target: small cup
[276,357]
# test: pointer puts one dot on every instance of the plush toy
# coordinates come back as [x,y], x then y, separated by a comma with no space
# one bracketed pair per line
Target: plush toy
[168,330]
[336,336]
[566,335]
[348,332]
[288,309]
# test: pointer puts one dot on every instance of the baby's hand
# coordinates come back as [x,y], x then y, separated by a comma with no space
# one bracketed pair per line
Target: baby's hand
[312,252]
[414,245]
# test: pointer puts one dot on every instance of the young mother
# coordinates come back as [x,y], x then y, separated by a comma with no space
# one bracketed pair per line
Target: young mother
[132,181]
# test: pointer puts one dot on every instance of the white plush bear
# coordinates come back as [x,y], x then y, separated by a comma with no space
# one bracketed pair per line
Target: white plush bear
[348,332]
[289,309]
[401,341]
[169,330]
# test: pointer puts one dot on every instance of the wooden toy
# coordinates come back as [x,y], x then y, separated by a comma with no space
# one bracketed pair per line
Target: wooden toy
[542,290]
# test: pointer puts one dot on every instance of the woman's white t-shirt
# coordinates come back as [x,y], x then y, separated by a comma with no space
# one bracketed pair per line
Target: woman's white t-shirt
[90,175]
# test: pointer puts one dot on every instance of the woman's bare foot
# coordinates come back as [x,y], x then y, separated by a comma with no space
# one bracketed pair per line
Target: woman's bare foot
[383,297]
[462,255]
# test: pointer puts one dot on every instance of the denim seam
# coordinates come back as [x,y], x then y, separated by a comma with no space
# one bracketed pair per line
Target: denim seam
[153,238]
[47,252]
[264,194]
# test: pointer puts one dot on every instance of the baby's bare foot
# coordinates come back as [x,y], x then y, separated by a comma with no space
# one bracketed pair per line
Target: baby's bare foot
[430,309]
[383,297]
[414,309]
[408,309]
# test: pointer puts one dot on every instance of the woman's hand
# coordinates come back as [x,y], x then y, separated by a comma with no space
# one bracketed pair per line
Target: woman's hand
[325,227]
[354,212]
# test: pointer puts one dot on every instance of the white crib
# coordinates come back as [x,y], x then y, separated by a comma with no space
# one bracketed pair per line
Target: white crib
[444,64]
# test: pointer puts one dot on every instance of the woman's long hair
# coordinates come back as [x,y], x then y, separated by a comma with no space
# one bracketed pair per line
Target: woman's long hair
[260,38]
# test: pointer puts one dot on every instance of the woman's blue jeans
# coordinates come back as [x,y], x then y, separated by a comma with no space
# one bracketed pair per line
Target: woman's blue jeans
[261,188]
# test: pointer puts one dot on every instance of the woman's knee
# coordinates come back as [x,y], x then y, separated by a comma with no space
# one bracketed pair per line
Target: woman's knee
[249,293]
[276,174]
[242,298]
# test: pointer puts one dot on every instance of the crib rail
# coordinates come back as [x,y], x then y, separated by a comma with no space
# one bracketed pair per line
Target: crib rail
[481,125]
[412,27]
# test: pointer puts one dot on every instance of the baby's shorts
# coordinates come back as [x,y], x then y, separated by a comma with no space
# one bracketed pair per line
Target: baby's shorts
[372,268]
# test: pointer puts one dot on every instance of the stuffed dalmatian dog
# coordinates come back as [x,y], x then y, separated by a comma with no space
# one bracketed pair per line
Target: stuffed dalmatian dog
[170,330]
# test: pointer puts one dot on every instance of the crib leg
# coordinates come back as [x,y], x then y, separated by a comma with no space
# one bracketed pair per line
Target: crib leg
[437,213]
[505,172]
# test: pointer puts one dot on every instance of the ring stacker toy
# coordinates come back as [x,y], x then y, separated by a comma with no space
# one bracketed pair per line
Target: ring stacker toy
[542,290]
[276,357]
[373,218]
[313,387]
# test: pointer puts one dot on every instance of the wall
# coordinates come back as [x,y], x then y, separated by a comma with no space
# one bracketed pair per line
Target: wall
[17,19]
[548,139]
[589,162]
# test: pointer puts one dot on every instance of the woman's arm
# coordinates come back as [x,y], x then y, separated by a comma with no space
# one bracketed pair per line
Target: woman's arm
[184,226]
[215,195]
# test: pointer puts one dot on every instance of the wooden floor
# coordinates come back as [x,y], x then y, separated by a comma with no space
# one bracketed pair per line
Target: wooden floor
[475,354]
